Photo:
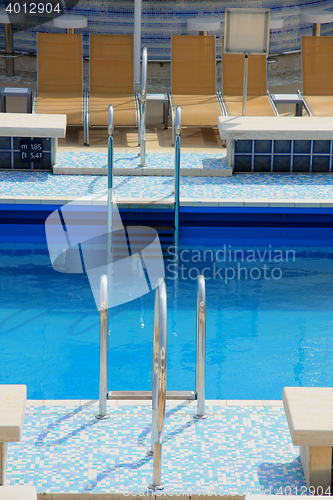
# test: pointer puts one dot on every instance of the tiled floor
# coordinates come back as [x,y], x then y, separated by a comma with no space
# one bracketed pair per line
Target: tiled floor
[246,189]
[127,163]
[237,448]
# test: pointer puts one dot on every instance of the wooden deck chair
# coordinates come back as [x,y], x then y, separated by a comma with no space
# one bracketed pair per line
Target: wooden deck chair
[317,75]
[111,81]
[193,81]
[259,102]
[59,76]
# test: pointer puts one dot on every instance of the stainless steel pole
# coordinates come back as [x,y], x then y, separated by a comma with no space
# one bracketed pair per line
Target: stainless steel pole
[9,49]
[143,108]
[200,349]
[159,381]
[103,348]
[110,183]
[246,60]
[316,29]
[177,174]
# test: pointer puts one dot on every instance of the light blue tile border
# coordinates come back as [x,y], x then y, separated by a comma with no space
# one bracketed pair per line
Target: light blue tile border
[240,446]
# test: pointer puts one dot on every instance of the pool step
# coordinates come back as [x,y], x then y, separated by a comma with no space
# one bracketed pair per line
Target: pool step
[137,395]
[142,239]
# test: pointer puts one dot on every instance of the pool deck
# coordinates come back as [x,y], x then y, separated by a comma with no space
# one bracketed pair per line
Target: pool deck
[241,446]
[242,190]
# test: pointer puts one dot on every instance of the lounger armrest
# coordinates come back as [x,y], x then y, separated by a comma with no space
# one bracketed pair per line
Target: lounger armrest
[305,104]
[222,103]
[272,103]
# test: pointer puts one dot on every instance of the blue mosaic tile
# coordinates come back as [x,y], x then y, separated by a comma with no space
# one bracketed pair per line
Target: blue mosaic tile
[65,449]
[237,187]
[205,161]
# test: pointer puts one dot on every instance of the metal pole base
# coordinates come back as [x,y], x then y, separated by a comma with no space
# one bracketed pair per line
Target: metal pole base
[316,29]
[102,417]
[152,486]
[142,166]
[200,417]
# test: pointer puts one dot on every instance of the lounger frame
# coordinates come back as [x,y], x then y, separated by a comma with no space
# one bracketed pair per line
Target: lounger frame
[83,91]
[171,103]
[87,105]
[267,92]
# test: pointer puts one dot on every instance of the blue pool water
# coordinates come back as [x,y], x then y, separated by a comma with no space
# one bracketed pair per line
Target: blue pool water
[272,327]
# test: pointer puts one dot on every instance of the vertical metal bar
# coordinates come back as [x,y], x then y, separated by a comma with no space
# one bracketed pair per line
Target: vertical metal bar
[177,174]
[137,41]
[110,183]
[316,29]
[159,381]
[3,461]
[103,348]
[200,349]
[9,49]
[143,109]
[246,60]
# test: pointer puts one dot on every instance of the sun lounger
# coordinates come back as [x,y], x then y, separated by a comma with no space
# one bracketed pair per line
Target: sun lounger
[317,75]
[111,81]
[193,79]
[259,102]
[59,76]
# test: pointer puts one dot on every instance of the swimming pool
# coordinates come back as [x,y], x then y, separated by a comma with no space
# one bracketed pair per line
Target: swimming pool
[267,327]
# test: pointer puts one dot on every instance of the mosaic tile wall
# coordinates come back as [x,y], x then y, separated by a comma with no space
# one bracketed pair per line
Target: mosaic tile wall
[161,18]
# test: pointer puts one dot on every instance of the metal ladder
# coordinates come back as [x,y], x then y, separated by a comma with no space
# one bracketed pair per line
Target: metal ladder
[159,393]
[139,395]
[199,393]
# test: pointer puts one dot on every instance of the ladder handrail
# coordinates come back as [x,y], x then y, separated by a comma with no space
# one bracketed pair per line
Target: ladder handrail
[110,181]
[200,348]
[143,108]
[177,174]
[159,381]
[103,347]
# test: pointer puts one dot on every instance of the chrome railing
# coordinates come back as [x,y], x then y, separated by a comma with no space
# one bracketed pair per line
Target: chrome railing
[177,174]
[200,348]
[110,181]
[143,108]
[103,348]
[159,381]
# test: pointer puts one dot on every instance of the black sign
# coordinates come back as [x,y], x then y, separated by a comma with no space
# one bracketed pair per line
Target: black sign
[31,150]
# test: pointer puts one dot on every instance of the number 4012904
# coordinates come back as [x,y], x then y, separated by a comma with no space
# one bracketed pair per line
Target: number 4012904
[33,8]
[303,490]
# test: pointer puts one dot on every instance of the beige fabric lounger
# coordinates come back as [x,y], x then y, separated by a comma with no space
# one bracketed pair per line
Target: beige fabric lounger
[60,76]
[112,82]
[317,73]
[194,81]
[258,102]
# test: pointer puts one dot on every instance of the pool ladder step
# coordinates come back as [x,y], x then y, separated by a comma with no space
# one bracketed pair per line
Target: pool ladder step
[142,239]
[137,395]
